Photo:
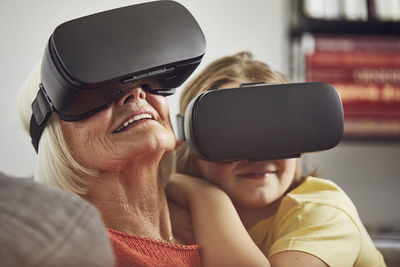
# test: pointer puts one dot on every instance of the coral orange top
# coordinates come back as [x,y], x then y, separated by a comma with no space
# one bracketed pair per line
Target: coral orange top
[133,250]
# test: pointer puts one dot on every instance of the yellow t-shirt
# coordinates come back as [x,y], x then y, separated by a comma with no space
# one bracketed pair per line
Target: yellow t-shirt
[317,217]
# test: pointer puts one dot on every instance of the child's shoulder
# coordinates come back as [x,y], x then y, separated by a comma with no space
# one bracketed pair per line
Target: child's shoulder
[318,191]
[312,185]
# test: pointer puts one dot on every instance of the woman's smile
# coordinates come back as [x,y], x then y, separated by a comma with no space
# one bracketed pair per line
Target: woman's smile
[135,119]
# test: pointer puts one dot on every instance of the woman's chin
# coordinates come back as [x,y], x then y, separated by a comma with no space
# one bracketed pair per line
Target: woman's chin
[161,143]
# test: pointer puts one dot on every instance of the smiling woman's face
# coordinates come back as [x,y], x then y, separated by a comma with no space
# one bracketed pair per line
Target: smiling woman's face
[134,127]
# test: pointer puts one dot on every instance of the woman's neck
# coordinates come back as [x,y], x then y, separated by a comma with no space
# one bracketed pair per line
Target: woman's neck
[132,200]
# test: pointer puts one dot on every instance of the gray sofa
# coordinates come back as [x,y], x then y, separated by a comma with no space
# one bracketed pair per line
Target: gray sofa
[44,226]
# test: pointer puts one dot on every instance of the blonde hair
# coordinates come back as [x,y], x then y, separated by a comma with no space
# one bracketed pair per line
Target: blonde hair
[238,68]
[55,165]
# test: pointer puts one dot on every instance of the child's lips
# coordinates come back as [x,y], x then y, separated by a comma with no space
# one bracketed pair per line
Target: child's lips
[256,174]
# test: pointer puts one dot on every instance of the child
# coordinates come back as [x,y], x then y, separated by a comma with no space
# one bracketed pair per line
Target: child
[294,219]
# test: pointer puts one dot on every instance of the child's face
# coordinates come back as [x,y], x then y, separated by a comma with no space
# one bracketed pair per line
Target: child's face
[250,184]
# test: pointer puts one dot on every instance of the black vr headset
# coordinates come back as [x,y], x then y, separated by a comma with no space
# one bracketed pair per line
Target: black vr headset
[91,61]
[263,121]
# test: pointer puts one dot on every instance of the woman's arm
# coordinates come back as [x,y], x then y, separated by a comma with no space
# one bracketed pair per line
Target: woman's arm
[181,222]
[293,258]
[217,227]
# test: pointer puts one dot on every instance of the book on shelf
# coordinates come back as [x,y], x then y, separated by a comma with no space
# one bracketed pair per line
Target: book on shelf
[370,110]
[372,128]
[353,43]
[357,75]
[366,73]
[382,95]
[336,9]
[352,59]
[369,100]
[353,10]
[352,112]
[388,10]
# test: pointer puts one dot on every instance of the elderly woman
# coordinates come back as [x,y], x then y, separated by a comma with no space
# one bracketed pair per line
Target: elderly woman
[99,120]
[112,159]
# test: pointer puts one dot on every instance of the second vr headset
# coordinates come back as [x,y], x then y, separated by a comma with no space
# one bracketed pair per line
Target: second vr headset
[91,61]
[263,121]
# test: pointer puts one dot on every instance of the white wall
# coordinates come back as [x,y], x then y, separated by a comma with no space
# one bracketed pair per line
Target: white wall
[369,172]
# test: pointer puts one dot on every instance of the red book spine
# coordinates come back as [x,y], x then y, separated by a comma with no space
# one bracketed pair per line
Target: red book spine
[368,127]
[380,95]
[369,100]
[351,112]
[351,43]
[355,74]
[352,59]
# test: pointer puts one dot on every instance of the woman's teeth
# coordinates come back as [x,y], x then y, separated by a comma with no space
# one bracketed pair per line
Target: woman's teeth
[134,119]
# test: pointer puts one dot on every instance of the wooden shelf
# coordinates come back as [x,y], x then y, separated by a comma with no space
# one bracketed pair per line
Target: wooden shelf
[300,23]
[344,27]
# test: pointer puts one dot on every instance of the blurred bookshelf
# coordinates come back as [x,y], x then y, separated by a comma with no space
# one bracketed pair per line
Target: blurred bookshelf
[355,46]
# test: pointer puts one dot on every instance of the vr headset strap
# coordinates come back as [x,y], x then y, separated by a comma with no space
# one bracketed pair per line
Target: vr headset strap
[42,110]
[180,120]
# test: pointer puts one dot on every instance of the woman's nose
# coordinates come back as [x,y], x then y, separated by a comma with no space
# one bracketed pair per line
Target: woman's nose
[132,95]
